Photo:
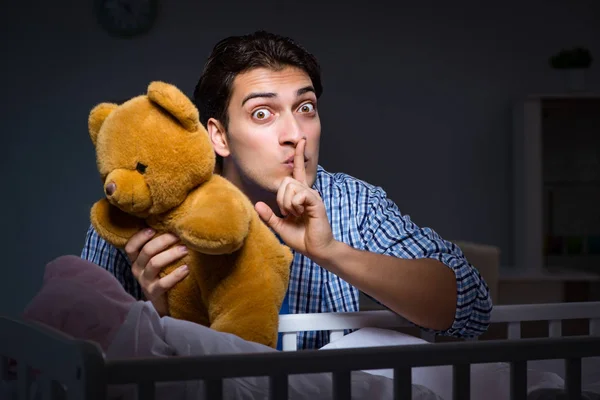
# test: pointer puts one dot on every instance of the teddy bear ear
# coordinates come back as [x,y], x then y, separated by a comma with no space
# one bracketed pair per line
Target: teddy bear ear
[175,102]
[97,117]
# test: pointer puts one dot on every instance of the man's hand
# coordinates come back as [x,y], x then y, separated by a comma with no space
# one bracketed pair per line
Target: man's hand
[304,225]
[148,256]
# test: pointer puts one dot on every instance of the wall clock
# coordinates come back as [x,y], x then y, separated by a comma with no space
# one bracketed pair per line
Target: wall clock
[126,18]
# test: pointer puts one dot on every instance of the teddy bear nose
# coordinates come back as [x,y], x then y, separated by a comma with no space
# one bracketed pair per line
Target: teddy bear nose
[110,188]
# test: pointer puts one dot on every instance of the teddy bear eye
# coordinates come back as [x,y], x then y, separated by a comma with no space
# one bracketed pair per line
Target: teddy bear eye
[141,168]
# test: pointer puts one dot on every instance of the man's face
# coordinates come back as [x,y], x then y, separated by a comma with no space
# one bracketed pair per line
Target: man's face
[269,112]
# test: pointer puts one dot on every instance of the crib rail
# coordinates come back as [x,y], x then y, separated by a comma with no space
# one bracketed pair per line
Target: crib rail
[341,362]
[553,313]
[291,324]
[50,360]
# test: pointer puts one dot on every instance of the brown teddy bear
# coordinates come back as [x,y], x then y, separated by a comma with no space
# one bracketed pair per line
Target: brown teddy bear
[156,162]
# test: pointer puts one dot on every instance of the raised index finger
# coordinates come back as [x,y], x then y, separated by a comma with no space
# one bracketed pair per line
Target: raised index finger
[299,172]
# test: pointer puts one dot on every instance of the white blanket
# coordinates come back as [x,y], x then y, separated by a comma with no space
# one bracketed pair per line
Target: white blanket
[145,334]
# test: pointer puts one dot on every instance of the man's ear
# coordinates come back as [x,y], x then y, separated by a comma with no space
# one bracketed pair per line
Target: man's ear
[218,137]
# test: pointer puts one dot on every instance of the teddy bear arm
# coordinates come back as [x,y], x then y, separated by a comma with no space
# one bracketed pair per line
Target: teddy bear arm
[114,225]
[218,227]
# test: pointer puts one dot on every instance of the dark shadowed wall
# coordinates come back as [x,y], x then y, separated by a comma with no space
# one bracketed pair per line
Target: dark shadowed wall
[417,99]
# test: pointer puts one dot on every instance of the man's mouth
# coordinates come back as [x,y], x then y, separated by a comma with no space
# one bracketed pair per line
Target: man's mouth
[291,160]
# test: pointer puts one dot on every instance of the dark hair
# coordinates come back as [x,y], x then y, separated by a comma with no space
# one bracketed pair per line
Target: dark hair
[237,54]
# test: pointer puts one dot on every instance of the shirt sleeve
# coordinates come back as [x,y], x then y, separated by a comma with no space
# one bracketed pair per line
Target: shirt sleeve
[112,259]
[386,231]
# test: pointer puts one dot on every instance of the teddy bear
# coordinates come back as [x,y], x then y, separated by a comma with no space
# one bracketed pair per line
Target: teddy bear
[156,163]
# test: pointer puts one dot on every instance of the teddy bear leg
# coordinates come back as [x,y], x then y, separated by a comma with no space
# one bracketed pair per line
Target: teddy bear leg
[250,322]
[245,289]
[185,299]
[247,303]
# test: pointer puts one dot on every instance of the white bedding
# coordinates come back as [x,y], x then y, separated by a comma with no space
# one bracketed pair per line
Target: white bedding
[590,371]
[590,377]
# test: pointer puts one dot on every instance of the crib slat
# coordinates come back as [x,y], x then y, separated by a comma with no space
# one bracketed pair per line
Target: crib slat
[4,368]
[514,330]
[461,381]
[145,390]
[213,389]
[289,341]
[555,328]
[278,388]
[59,391]
[594,326]
[573,378]
[518,380]
[341,385]
[402,383]
[24,379]
[46,387]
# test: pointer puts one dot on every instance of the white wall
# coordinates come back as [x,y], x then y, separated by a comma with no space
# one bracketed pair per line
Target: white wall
[417,99]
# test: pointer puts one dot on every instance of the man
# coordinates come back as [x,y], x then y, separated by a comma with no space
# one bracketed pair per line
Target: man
[257,97]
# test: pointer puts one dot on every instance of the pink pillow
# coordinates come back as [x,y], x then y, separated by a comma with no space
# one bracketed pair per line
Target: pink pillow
[80,299]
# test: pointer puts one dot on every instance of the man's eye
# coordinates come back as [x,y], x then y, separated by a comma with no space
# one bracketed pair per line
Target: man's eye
[306,108]
[262,113]
[141,168]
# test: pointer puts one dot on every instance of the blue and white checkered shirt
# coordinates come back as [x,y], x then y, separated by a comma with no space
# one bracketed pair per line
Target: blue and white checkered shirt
[362,216]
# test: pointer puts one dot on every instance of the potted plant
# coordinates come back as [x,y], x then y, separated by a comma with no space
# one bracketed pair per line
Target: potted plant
[574,63]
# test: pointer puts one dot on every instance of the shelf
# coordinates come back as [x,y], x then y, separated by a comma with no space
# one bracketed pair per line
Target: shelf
[509,274]
[557,184]
[587,262]
[571,184]
[564,96]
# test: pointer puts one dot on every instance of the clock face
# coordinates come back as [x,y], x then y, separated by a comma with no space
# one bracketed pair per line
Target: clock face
[126,18]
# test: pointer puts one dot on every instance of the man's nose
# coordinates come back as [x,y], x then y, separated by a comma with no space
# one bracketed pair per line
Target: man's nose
[291,131]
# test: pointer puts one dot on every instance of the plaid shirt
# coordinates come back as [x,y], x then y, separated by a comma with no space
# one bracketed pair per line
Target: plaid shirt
[362,216]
